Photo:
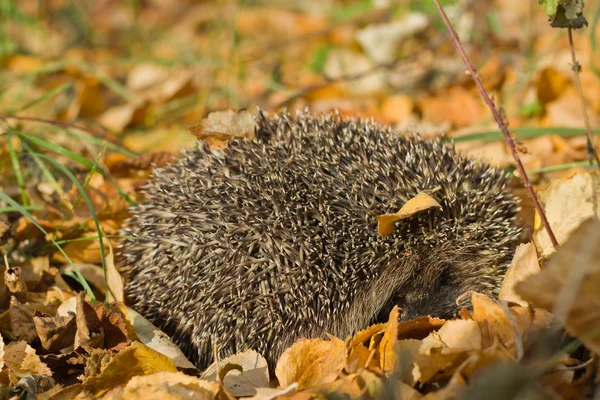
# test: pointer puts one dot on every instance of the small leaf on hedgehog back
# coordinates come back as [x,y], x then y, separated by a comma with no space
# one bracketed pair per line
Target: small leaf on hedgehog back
[421,202]
[220,126]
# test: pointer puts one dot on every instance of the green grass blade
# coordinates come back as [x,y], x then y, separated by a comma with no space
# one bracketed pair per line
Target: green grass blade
[75,157]
[88,202]
[45,171]
[525,133]
[45,96]
[14,158]
[23,211]
[28,208]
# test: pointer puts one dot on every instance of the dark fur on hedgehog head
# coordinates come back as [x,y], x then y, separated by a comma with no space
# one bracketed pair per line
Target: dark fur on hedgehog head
[272,240]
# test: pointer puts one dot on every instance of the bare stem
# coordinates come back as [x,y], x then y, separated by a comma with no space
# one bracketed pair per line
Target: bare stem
[499,120]
[592,154]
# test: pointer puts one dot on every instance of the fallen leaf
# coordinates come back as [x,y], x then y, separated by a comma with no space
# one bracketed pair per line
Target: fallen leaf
[421,202]
[387,351]
[310,362]
[220,126]
[154,338]
[21,322]
[524,263]
[166,385]
[135,360]
[254,373]
[55,333]
[567,203]
[568,285]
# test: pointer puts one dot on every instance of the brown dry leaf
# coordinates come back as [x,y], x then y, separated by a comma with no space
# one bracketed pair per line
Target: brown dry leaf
[55,333]
[568,286]
[135,360]
[15,283]
[220,126]
[66,368]
[310,362]
[21,322]
[22,360]
[254,373]
[99,327]
[387,351]
[524,263]
[567,203]
[421,202]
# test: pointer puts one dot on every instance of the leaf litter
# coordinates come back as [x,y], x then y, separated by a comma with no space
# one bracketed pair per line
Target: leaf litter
[57,343]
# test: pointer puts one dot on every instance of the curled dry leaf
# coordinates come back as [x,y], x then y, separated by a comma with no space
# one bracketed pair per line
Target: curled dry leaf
[254,373]
[55,333]
[15,283]
[310,362]
[21,322]
[116,292]
[509,325]
[524,263]
[387,351]
[421,202]
[99,327]
[445,348]
[153,337]
[569,285]
[135,360]
[220,126]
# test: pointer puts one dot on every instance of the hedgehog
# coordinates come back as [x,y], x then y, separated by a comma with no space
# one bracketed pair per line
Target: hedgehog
[270,240]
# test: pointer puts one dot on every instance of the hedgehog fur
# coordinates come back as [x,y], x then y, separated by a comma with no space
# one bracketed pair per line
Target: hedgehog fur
[272,240]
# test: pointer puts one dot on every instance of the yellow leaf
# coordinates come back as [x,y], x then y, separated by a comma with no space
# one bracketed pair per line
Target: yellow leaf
[387,350]
[135,360]
[310,362]
[568,286]
[421,202]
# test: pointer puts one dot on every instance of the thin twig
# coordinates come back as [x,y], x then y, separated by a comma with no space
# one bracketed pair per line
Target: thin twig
[592,154]
[499,120]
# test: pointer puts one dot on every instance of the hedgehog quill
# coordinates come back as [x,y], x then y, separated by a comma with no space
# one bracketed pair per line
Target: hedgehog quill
[275,239]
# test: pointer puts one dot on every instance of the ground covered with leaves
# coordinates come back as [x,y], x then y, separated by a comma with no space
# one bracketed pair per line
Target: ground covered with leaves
[93,95]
